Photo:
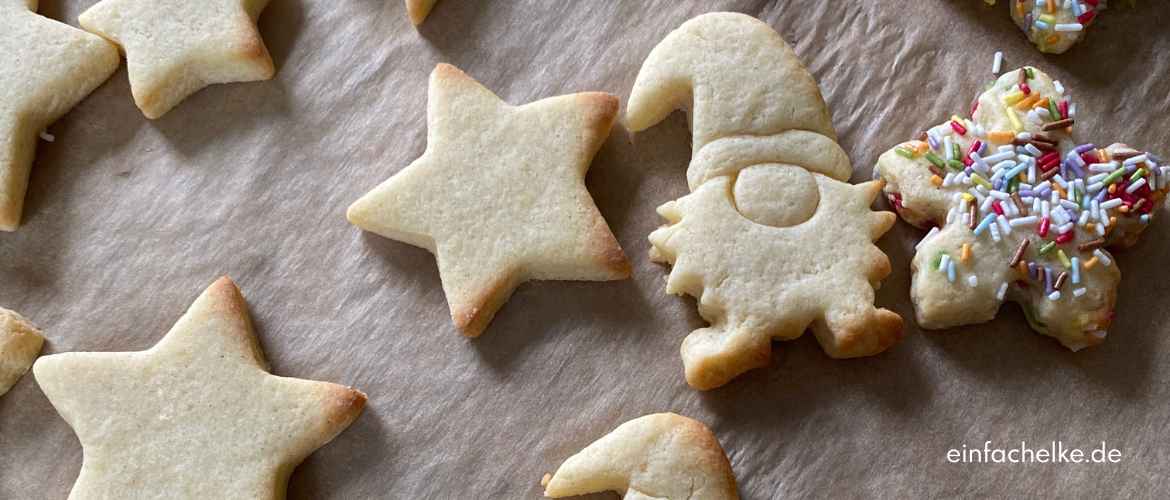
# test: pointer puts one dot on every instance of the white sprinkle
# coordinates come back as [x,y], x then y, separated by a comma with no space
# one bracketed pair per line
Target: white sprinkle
[1000,156]
[1135,186]
[933,231]
[1065,228]
[997,65]
[1103,167]
[1083,219]
[994,229]
[1054,296]
[1135,160]
[47,137]
[1066,27]
[951,271]
[1111,204]
[1003,225]
[1099,333]
[1079,292]
[1103,257]
[1057,85]
[1023,221]
[973,281]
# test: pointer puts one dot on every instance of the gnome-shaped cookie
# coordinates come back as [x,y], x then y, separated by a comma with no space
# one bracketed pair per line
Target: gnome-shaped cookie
[772,239]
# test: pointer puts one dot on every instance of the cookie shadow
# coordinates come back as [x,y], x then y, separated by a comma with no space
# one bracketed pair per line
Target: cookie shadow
[238,109]
[1008,353]
[337,468]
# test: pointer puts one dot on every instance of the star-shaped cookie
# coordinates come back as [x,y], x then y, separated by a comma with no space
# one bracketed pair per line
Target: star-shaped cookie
[418,10]
[499,195]
[20,342]
[46,68]
[174,48]
[196,416]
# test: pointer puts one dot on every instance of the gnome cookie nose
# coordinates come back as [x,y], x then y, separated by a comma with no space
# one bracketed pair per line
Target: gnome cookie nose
[776,195]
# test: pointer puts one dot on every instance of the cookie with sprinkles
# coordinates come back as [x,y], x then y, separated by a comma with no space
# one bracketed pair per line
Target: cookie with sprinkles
[1054,25]
[1021,211]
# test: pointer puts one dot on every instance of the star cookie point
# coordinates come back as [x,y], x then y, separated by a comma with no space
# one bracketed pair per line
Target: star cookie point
[46,68]
[175,48]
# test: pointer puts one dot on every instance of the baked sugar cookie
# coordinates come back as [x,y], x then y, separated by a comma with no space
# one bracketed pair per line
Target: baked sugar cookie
[174,48]
[662,456]
[418,10]
[773,239]
[1054,26]
[196,416]
[1024,212]
[499,195]
[20,342]
[46,68]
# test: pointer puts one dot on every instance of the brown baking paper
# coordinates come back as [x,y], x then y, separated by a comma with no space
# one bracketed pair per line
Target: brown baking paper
[128,220]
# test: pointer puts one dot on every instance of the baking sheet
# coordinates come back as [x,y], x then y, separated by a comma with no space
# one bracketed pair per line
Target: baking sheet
[128,220]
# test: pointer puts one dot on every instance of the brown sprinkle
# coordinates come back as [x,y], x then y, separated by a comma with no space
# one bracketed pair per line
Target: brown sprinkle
[1060,280]
[1140,203]
[1089,246]
[1019,256]
[1065,123]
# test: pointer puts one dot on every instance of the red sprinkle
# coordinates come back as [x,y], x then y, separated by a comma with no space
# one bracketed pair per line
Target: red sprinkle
[1087,17]
[975,147]
[959,128]
[1065,238]
[1025,89]
[1062,106]
[1049,161]
[1043,229]
[995,206]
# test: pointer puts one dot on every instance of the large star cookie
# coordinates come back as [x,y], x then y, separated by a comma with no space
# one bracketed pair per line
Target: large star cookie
[196,416]
[418,10]
[656,457]
[174,48]
[20,342]
[46,68]
[1024,212]
[499,195]
[773,239]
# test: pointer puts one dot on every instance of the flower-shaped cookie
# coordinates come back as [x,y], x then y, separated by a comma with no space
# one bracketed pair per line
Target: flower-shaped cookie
[773,239]
[1024,212]
[1054,25]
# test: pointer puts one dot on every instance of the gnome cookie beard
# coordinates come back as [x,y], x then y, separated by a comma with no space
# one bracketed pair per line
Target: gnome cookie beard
[1024,212]
[773,239]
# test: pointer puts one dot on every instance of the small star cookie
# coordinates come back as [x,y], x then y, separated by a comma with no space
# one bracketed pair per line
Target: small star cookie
[499,195]
[46,68]
[20,342]
[418,10]
[772,239]
[1023,213]
[656,457]
[174,48]
[196,416]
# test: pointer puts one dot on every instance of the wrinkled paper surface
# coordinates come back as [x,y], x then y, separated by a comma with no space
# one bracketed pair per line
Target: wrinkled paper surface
[128,220]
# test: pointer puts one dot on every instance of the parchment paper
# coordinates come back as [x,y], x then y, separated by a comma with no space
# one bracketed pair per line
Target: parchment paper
[128,220]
